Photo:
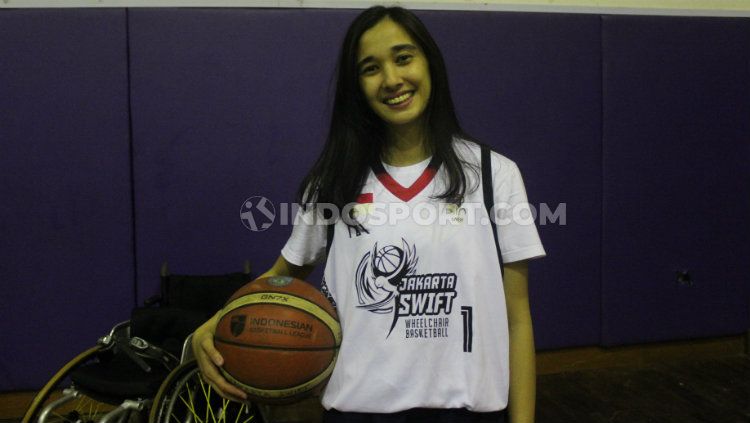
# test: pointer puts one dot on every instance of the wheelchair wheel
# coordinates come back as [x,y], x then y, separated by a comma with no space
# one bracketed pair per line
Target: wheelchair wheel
[185,398]
[70,406]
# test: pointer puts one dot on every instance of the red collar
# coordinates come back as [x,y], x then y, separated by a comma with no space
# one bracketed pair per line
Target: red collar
[406,193]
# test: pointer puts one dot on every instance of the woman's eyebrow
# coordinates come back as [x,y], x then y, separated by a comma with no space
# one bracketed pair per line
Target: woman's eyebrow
[395,49]
[401,47]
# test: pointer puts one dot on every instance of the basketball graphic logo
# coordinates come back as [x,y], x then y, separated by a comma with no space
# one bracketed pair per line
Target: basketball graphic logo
[388,259]
[379,273]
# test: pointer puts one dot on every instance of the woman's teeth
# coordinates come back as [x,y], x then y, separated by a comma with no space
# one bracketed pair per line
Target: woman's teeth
[399,99]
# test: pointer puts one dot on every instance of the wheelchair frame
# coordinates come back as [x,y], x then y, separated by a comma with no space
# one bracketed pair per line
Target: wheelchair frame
[176,400]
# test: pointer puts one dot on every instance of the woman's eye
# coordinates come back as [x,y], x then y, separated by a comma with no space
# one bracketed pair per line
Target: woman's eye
[404,58]
[367,69]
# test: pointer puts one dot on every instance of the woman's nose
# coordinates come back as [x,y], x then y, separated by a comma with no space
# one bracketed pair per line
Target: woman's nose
[391,77]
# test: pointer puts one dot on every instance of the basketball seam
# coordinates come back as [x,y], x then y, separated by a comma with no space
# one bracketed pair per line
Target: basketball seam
[268,347]
[279,393]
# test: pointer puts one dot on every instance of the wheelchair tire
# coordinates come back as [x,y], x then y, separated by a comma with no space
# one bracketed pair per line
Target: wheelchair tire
[185,398]
[83,407]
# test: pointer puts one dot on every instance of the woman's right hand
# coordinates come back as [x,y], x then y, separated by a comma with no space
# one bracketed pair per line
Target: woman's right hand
[209,360]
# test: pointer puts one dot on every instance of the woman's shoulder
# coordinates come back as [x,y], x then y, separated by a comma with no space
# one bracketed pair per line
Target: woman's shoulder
[470,151]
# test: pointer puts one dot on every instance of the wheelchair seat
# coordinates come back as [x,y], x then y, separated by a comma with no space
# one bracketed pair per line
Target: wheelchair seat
[113,381]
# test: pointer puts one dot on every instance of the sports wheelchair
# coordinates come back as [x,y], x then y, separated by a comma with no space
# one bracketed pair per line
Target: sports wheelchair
[143,369]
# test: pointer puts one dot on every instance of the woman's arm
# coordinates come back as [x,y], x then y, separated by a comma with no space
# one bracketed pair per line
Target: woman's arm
[522,399]
[208,358]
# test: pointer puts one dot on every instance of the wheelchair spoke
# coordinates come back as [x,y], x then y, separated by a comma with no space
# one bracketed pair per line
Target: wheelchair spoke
[60,416]
[82,405]
[175,418]
[206,389]
[92,410]
[190,405]
[237,419]
[187,398]
[247,410]
[222,411]
[207,396]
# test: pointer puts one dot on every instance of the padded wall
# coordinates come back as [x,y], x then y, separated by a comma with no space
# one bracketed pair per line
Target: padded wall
[227,104]
[676,177]
[65,220]
[528,85]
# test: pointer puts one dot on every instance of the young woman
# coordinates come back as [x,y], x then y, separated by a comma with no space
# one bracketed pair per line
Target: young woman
[433,329]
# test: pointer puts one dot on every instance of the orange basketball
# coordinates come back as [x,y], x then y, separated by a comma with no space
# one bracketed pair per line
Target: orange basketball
[279,337]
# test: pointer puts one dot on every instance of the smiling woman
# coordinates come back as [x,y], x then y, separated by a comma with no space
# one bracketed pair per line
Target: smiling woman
[428,333]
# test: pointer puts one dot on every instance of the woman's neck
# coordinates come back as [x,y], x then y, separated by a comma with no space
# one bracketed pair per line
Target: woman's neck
[406,146]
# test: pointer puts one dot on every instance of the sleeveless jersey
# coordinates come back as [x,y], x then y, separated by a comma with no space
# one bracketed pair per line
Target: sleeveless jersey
[418,288]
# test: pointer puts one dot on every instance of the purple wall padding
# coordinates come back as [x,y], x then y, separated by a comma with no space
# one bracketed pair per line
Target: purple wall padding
[529,85]
[227,104]
[65,221]
[676,180]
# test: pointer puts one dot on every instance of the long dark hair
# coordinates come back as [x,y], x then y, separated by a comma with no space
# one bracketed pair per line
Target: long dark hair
[357,136]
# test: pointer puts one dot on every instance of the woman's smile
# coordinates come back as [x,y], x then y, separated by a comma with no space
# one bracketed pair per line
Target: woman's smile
[401,101]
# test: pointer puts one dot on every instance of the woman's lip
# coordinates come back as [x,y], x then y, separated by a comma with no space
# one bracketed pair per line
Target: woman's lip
[398,94]
[403,104]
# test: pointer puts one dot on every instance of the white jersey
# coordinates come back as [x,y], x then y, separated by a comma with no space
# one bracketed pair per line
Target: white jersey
[419,291]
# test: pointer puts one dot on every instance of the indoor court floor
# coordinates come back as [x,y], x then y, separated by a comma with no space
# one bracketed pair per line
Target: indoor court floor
[715,390]
[709,390]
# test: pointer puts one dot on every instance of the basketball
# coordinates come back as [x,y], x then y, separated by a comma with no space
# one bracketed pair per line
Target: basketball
[388,259]
[279,337]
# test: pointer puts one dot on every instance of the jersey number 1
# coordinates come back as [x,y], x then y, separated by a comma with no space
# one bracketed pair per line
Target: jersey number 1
[467,314]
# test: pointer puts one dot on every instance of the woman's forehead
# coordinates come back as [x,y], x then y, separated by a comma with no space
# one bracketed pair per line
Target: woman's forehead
[382,37]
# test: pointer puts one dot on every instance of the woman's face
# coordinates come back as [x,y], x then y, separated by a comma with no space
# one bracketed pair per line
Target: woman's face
[393,74]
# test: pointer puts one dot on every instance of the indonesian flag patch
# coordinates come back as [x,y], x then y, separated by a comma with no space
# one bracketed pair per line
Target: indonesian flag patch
[364,204]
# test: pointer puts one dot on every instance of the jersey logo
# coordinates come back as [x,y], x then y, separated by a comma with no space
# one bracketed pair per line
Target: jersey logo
[379,273]
[387,282]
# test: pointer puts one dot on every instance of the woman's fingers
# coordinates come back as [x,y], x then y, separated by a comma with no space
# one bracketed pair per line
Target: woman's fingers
[212,376]
[207,344]
[209,360]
